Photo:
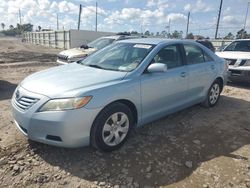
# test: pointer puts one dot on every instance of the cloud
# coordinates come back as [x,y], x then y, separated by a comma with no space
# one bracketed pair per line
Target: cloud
[177,17]
[232,20]
[160,4]
[199,6]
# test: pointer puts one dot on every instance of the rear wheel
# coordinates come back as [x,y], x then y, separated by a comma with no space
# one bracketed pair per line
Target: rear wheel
[213,94]
[111,127]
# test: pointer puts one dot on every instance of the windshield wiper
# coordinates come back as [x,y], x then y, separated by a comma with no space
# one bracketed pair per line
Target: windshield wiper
[85,46]
[95,66]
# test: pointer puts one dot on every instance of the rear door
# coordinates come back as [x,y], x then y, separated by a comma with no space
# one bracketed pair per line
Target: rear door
[201,68]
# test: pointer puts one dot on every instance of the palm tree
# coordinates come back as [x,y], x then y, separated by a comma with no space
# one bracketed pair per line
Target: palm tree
[3,25]
[11,27]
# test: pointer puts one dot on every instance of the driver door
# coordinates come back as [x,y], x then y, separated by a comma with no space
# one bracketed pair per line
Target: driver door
[164,92]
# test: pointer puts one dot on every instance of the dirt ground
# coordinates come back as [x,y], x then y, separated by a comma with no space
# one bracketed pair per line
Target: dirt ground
[197,147]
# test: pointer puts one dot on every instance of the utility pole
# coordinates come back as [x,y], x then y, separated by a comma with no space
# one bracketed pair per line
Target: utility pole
[187,24]
[57,23]
[20,18]
[169,22]
[95,16]
[244,27]
[218,20]
[79,18]
[142,26]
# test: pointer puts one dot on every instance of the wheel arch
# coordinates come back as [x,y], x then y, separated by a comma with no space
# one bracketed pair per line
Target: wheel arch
[131,106]
[221,82]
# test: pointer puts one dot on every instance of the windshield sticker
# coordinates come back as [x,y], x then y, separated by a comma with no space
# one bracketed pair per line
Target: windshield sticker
[145,46]
[122,68]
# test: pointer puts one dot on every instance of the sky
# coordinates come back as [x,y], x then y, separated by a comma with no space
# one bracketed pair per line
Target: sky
[130,15]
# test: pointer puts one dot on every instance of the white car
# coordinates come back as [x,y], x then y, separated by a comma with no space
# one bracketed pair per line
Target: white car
[237,55]
[75,54]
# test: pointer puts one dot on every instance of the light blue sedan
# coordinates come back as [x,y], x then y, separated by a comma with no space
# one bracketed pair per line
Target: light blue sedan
[98,100]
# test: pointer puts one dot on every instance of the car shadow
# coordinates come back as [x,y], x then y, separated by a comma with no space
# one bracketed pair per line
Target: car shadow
[6,89]
[242,85]
[157,154]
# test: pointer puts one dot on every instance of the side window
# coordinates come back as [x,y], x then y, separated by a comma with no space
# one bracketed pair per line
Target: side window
[170,56]
[207,58]
[194,54]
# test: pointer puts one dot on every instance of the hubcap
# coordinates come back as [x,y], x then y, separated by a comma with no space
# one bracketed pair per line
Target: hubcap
[214,93]
[115,129]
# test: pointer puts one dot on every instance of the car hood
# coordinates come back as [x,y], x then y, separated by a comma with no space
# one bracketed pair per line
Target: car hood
[65,79]
[233,55]
[77,52]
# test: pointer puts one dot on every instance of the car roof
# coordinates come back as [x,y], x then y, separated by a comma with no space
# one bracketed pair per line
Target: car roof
[112,37]
[242,40]
[154,41]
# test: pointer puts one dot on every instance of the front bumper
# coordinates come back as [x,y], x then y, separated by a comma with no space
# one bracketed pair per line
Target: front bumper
[239,74]
[69,128]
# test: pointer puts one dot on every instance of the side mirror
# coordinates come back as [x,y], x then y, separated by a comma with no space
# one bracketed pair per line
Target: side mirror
[157,67]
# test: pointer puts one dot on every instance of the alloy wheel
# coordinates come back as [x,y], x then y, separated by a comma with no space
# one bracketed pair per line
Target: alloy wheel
[214,93]
[115,129]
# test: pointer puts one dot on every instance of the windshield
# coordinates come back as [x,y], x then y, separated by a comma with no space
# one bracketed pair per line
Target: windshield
[100,43]
[238,46]
[118,57]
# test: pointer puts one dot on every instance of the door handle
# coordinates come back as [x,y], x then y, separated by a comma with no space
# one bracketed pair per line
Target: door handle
[212,67]
[183,74]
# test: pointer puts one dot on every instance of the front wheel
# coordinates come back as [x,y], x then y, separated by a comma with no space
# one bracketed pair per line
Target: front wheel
[111,127]
[213,95]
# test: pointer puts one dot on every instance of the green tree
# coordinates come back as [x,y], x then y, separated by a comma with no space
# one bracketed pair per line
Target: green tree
[11,27]
[134,32]
[3,25]
[39,28]
[147,33]
[163,33]
[190,36]
[229,36]
[242,34]
[177,34]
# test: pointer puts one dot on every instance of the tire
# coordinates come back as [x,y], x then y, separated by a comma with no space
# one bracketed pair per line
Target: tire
[111,127]
[213,94]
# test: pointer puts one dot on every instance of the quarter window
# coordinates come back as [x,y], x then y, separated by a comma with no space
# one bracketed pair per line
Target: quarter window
[170,56]
[207,58]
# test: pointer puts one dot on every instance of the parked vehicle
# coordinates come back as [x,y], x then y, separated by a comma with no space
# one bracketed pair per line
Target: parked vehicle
[75,54]
[237,55]
[207,43]
[99,99]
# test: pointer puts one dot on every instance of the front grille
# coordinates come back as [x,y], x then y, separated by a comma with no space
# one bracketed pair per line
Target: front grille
[25,102]
[62,57]
[235,71]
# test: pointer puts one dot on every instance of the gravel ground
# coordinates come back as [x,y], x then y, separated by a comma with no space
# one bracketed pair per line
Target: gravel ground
[197,147]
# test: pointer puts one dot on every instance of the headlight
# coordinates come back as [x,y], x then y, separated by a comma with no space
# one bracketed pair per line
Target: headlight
[73,59]
[247,63]
[65,104]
